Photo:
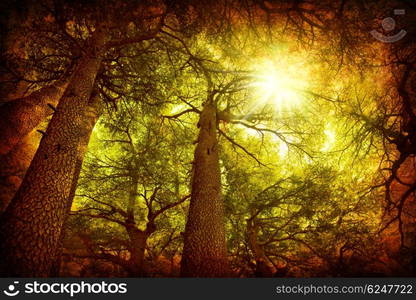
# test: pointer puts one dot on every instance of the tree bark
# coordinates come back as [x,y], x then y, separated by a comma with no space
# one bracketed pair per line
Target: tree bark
[19,117]
[19,138]
[205,252]
[13,167]
[91,116]
[31,226]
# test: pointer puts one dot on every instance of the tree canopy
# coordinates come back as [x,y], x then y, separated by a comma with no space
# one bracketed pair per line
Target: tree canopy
[232,139]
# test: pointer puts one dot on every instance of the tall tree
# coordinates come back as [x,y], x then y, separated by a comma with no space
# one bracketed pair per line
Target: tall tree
[90,117]
[18,136]
[32,223]
[205,251]
[136,194]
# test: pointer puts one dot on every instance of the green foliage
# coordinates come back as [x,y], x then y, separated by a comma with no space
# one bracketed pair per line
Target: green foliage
[302,174]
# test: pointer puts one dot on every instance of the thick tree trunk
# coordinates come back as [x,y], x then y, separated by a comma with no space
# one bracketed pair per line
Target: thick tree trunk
[19,117]
[91,116]
[57,257]
[19,138]
[31,226]
[205,252]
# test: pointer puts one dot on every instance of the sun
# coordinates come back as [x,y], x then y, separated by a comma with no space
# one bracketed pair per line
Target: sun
[280,84]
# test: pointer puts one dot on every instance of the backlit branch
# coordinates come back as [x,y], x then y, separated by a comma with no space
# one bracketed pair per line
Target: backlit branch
[241,147]
[280,135]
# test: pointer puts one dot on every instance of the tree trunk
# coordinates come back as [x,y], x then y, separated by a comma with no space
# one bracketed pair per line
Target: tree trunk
[31,226]
[138,241]
[262,268]
[19,138]
[137,237]
[91,116]
[205,252]
[13,167]
[19,117]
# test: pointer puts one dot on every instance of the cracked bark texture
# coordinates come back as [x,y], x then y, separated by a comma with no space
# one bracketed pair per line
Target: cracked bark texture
[30,228]
[91,115]
[19,138]
[205,252]
[21,116]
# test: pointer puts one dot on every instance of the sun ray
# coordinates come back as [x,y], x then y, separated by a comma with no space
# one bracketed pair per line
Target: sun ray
[280,84]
